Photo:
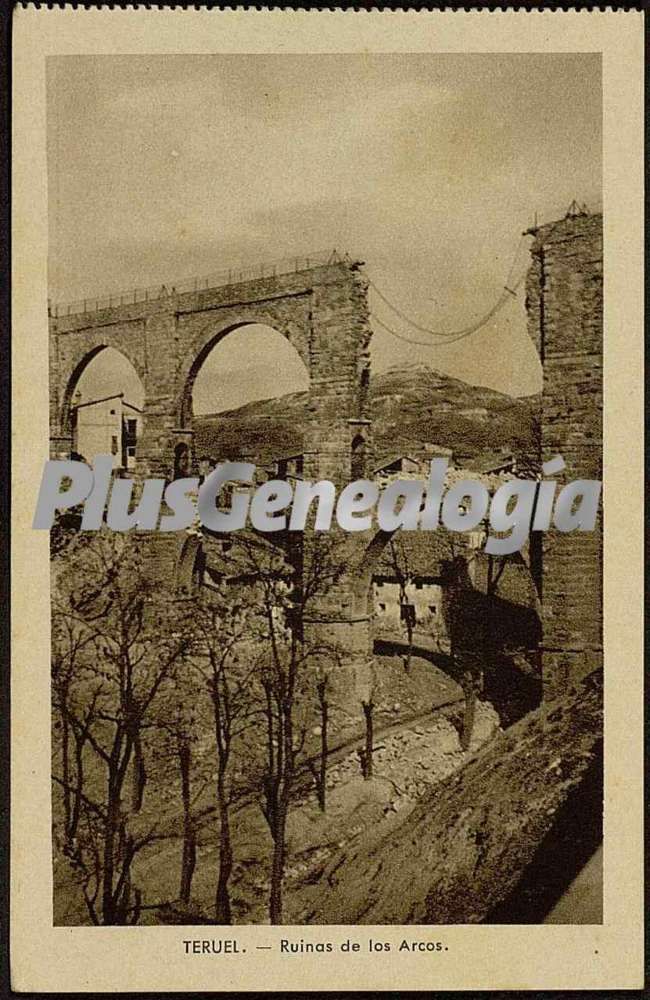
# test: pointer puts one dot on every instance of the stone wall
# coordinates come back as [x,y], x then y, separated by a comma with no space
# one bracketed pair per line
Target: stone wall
[565,320]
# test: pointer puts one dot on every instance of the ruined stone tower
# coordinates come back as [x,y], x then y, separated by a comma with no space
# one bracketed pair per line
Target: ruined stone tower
[564,293]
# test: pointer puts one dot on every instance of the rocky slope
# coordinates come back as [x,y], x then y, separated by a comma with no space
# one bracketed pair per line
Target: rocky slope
[493,843]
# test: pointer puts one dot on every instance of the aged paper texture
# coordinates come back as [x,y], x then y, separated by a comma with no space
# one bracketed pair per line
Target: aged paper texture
[336,246]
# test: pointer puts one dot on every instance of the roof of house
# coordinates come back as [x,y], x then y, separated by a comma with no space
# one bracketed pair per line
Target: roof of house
[494,460]
[105,399]
[430,448]
[391,459]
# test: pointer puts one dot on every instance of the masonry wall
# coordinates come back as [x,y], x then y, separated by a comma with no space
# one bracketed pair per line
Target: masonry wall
[565,320]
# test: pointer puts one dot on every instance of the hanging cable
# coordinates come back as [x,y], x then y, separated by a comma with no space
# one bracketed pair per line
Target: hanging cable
[451,335]
[505,297]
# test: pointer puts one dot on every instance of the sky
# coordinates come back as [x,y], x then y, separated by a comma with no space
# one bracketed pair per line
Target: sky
[426,167]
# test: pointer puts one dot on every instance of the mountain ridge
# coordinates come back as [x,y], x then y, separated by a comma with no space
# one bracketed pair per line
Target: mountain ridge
[411,405]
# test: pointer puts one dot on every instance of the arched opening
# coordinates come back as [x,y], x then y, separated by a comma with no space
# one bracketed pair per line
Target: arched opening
[358,458]
[246,399]
[363,581]
[103,408]
[182,461]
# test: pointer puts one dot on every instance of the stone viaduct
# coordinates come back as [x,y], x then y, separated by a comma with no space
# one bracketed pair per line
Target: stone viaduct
[322,311]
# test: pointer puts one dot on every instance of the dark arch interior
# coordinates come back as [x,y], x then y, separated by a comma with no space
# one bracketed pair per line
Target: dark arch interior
[358,458]
[182,460]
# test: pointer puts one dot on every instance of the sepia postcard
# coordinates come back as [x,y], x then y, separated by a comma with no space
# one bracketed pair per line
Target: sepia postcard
[327,500]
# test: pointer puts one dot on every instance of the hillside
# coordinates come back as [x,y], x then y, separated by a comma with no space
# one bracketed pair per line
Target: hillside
[410,405]
[484,845]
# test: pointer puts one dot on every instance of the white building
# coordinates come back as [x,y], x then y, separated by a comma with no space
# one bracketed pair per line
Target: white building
[423,597]
[107,426]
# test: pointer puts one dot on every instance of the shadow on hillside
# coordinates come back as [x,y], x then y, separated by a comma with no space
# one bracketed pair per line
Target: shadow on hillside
[512,691]
[397,647]
[568,846]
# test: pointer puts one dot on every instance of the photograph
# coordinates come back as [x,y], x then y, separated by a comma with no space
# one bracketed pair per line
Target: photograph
[247,724]
[327,500]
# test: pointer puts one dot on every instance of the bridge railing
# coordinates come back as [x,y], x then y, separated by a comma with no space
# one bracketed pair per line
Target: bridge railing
[219,279]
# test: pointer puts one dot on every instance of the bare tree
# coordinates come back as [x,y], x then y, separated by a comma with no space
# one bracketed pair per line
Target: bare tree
[105,606]
[282,682]
[366,756]
[328,659]
[73,722]
[401,567]
[180,720]
[320,773]
[463,611]
[225,650]
[188,858]
[286,587]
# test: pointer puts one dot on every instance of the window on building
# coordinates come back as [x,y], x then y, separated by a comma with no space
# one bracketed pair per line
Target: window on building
[131,427]
[418,585]
[382,607]
[407,614]
[113,444]
[433,609]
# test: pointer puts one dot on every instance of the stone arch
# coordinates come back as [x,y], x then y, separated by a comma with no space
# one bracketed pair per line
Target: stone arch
[69,379]
[65,417]
[321,310]
[363,571]
[342,616]
[208,337]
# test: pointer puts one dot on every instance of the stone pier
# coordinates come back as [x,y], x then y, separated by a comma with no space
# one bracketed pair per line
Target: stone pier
[564,294]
